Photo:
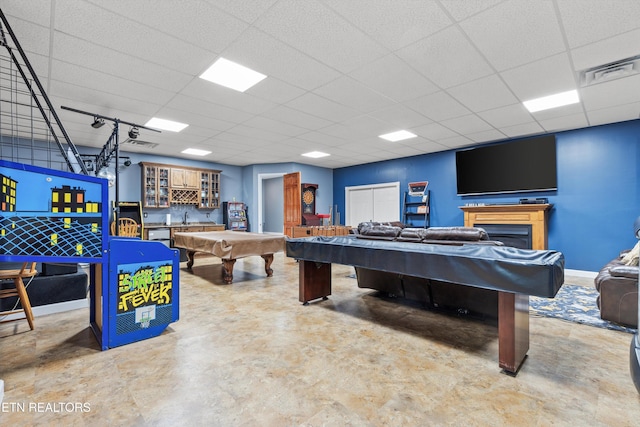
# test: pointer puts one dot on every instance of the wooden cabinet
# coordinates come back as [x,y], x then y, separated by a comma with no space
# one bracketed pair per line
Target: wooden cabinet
[184,178]
[155,186]
[209,189]
[166,185]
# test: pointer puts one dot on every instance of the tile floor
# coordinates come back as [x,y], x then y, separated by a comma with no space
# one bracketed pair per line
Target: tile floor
[249,354]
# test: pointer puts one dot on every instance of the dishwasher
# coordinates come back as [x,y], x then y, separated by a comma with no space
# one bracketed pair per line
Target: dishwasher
[161,235]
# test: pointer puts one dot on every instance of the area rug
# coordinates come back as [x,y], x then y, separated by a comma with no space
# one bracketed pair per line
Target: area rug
[575,304]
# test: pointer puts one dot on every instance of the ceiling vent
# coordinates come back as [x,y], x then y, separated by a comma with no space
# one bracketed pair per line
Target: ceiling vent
[140,143]
[612,71]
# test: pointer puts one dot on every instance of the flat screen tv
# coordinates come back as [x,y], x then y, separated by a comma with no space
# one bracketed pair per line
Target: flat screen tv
[510,167]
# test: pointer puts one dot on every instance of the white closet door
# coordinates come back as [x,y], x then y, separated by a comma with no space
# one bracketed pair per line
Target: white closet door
[360,206]
[386,204]
[378,202]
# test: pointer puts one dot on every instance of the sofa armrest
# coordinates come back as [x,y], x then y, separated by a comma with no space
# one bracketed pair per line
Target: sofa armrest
[621,270]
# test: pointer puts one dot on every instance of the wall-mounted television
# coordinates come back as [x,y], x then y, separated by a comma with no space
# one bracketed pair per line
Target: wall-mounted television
[509,167]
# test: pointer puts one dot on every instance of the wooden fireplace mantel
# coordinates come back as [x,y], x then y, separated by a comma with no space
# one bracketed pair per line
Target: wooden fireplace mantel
[534,214]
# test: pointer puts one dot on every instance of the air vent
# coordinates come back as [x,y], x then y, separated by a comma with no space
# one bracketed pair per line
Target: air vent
[611,71]
[140,143]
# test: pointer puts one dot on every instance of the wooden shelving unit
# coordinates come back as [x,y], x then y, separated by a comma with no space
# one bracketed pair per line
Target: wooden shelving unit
[166,185]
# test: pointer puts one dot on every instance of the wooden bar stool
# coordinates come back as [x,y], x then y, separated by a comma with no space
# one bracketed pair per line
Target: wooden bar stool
[19,291]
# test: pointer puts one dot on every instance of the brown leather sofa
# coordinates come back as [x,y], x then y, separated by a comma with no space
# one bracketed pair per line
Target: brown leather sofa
[617,284]
[450,297]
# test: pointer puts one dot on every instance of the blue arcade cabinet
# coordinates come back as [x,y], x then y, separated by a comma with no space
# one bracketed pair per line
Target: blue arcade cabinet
[49,215]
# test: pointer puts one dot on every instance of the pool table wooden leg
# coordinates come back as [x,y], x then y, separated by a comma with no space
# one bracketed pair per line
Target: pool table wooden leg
[190,259]
[513,330]
[268,259]
[314,281]
[227,270]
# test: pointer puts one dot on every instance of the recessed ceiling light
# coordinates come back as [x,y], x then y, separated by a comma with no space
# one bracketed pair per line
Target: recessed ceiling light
[316,154]
[196,152]
[163,124]
[232,75]
[398,136]
[552,101]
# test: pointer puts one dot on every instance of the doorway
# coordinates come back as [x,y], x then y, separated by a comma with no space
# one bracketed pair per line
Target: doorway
[270,203]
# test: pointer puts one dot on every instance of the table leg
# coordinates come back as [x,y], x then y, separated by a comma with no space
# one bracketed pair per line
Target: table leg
[227,270]
[190,259]
[513,330]
[314,281]
[268,259]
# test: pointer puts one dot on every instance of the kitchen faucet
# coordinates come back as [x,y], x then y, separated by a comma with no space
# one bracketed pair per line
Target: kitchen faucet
[186,215]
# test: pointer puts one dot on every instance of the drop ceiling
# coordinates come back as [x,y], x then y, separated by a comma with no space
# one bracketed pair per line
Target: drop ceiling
[340,72]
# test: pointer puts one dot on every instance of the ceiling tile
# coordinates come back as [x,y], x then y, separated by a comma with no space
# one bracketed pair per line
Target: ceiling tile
[205,107]
[446,58]
[507,116]
[541,78]
[486,136]
[247,10]
[116,32]
[80,76]
[347,91]
[295,117]
[605,51]
[262,52]
[398,81]
[393,23]
[498,33]
[573,121]
[483,94]
[438,106]
[401,116]
[531,128]
[313,28]
[322,107]
[275,126]
[91,56]
[618,113]
[456,142]
[434,132]
[466,124]
[615,92]
[587,21]
[241,101]
[192,24]
[463,9]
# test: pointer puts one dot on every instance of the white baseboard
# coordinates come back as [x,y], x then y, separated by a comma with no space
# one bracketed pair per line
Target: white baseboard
[44,310]
[581,273]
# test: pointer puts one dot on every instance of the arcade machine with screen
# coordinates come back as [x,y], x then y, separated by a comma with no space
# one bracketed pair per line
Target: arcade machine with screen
[50,215]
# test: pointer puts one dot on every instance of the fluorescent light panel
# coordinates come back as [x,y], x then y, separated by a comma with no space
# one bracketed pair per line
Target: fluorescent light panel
[398,136]
[163,124]
[196,152]
[234,76]
[316,154]
[552,101]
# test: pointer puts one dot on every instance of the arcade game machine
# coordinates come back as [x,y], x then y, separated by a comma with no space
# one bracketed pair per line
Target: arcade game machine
[49,215]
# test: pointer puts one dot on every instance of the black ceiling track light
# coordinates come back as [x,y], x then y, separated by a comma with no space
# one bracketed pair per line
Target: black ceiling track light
[134,132]
[97,122]
[111,148]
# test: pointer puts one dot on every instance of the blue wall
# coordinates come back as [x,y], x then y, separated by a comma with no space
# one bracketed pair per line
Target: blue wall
[594,207]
